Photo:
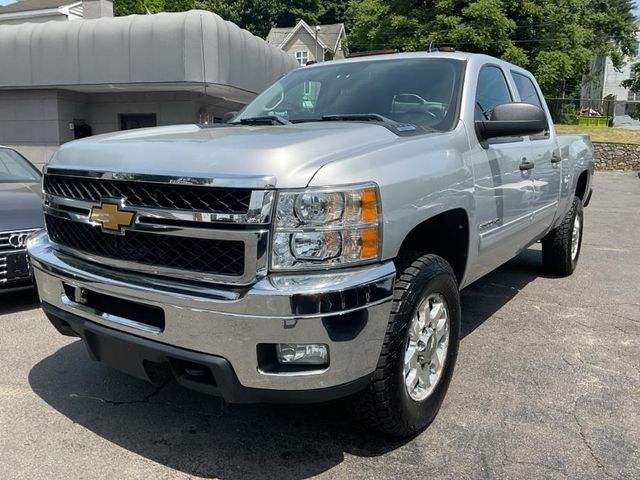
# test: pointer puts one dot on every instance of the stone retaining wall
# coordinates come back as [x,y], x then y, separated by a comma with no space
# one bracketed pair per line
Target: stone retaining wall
[616,156]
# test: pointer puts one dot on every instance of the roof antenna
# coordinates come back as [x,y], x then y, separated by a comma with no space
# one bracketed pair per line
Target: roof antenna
[433,47]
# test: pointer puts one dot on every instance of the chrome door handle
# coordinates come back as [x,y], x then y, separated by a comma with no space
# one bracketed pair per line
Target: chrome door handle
[526,165]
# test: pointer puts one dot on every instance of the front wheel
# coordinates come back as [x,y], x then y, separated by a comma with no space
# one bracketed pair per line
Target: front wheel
[419,350]
[561,246]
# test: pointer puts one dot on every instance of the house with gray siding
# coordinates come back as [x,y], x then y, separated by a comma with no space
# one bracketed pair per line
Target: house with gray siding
[62,80]
[310,43]
[603,82]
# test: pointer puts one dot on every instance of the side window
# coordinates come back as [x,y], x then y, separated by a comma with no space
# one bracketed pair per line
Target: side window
[492,90]
[526,89]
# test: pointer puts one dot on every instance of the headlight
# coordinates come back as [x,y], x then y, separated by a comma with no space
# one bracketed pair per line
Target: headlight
[328,227]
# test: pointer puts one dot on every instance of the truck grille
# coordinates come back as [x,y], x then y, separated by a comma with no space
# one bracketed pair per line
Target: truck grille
[212,256]
[151,195]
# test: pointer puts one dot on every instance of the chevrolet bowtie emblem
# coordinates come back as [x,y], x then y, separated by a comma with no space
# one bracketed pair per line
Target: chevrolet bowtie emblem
[110,217]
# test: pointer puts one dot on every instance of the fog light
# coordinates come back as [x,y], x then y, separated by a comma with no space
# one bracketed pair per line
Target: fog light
[302,354]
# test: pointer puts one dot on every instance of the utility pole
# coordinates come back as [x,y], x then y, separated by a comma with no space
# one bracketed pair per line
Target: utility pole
[317,30]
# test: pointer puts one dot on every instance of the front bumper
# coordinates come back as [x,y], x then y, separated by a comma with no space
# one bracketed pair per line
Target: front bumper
[346,310]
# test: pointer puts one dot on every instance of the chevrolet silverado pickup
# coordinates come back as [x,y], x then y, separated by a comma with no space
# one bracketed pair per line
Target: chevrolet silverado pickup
[314,246]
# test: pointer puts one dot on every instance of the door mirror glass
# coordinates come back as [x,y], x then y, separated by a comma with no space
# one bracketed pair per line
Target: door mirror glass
[512,120]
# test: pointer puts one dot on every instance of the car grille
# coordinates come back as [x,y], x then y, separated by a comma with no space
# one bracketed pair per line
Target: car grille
[7,249]
[151,195]
[212,256]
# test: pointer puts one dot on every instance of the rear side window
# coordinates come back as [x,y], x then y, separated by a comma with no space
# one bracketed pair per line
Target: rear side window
[526,89]
[492,91]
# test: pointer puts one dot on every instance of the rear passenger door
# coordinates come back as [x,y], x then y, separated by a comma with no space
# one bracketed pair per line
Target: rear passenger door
[543,151]
[503,192]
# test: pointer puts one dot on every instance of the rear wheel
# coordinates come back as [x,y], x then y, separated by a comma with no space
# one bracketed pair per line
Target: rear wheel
[561,246]
[419,351]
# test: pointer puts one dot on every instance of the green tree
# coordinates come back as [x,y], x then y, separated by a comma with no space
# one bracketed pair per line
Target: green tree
[554,38]
[179,5]
[140,7]
[633,83]
[257,16]
[309,10]
[334,11]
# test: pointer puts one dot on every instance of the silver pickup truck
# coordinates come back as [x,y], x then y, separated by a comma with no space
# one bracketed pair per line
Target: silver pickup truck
[314,246]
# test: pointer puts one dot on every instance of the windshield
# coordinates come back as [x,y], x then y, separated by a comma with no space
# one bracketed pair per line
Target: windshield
[14,168]
[421,91]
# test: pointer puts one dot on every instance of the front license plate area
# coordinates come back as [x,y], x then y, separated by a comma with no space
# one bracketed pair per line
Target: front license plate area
[17,266]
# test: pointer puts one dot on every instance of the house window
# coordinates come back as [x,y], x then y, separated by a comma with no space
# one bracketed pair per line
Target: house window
[302,56]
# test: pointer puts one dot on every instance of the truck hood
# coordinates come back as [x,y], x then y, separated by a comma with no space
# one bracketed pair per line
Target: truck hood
[290,153]
[20,206]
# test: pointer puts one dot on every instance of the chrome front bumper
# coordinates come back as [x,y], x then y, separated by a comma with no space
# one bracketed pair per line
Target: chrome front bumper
[346,310]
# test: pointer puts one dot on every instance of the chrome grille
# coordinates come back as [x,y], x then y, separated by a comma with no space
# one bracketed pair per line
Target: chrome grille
[6,248]
[224,257]
[5,245]
[148,194]
[191,228]
[3,269]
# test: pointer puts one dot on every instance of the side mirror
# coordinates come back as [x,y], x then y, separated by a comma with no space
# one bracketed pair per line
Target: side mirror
[227,117]
[512,120]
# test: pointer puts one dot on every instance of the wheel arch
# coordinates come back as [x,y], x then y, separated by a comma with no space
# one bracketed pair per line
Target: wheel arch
[451,242]
[582,183]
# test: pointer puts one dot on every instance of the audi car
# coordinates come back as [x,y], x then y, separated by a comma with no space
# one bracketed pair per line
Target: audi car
[20,216]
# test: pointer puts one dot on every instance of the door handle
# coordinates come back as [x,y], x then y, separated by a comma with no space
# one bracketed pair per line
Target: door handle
[555,158]
[526,165]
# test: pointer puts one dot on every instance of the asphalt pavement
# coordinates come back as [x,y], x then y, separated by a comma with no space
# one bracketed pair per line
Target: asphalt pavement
[547,385]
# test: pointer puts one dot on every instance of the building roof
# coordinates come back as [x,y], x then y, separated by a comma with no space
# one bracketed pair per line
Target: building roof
[166,51]
[328,36]
[28,5]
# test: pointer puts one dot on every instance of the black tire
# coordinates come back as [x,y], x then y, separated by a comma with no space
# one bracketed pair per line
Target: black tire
[556,245]
[385,405]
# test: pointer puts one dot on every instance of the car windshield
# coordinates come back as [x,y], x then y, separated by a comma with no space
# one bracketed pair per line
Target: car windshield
[14,168]
[420,91]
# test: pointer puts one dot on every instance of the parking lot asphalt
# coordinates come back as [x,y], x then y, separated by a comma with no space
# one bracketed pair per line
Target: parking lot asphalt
[547,385]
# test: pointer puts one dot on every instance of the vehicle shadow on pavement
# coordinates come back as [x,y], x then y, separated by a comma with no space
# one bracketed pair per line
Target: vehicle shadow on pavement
[485,297]
[14,302]
[196,434]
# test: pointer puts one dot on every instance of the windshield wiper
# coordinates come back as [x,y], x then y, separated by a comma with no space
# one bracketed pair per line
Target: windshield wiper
[265,120]
[397,127]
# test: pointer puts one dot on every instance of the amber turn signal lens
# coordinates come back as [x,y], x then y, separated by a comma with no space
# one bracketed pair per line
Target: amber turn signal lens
[369,239]
[369,205]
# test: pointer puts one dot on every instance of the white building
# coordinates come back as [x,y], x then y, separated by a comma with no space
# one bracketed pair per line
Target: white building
[61,80]
[603,82]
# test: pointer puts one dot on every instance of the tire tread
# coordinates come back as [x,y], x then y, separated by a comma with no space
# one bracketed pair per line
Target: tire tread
[556,245]
[374,407]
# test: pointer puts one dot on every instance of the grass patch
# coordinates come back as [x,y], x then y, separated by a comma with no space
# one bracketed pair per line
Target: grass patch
[603,134]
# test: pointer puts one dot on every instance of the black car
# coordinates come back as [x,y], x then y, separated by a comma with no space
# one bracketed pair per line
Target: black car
[20,215]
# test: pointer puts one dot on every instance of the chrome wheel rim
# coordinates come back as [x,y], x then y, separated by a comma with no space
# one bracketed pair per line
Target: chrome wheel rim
[575,238]
[426,350]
